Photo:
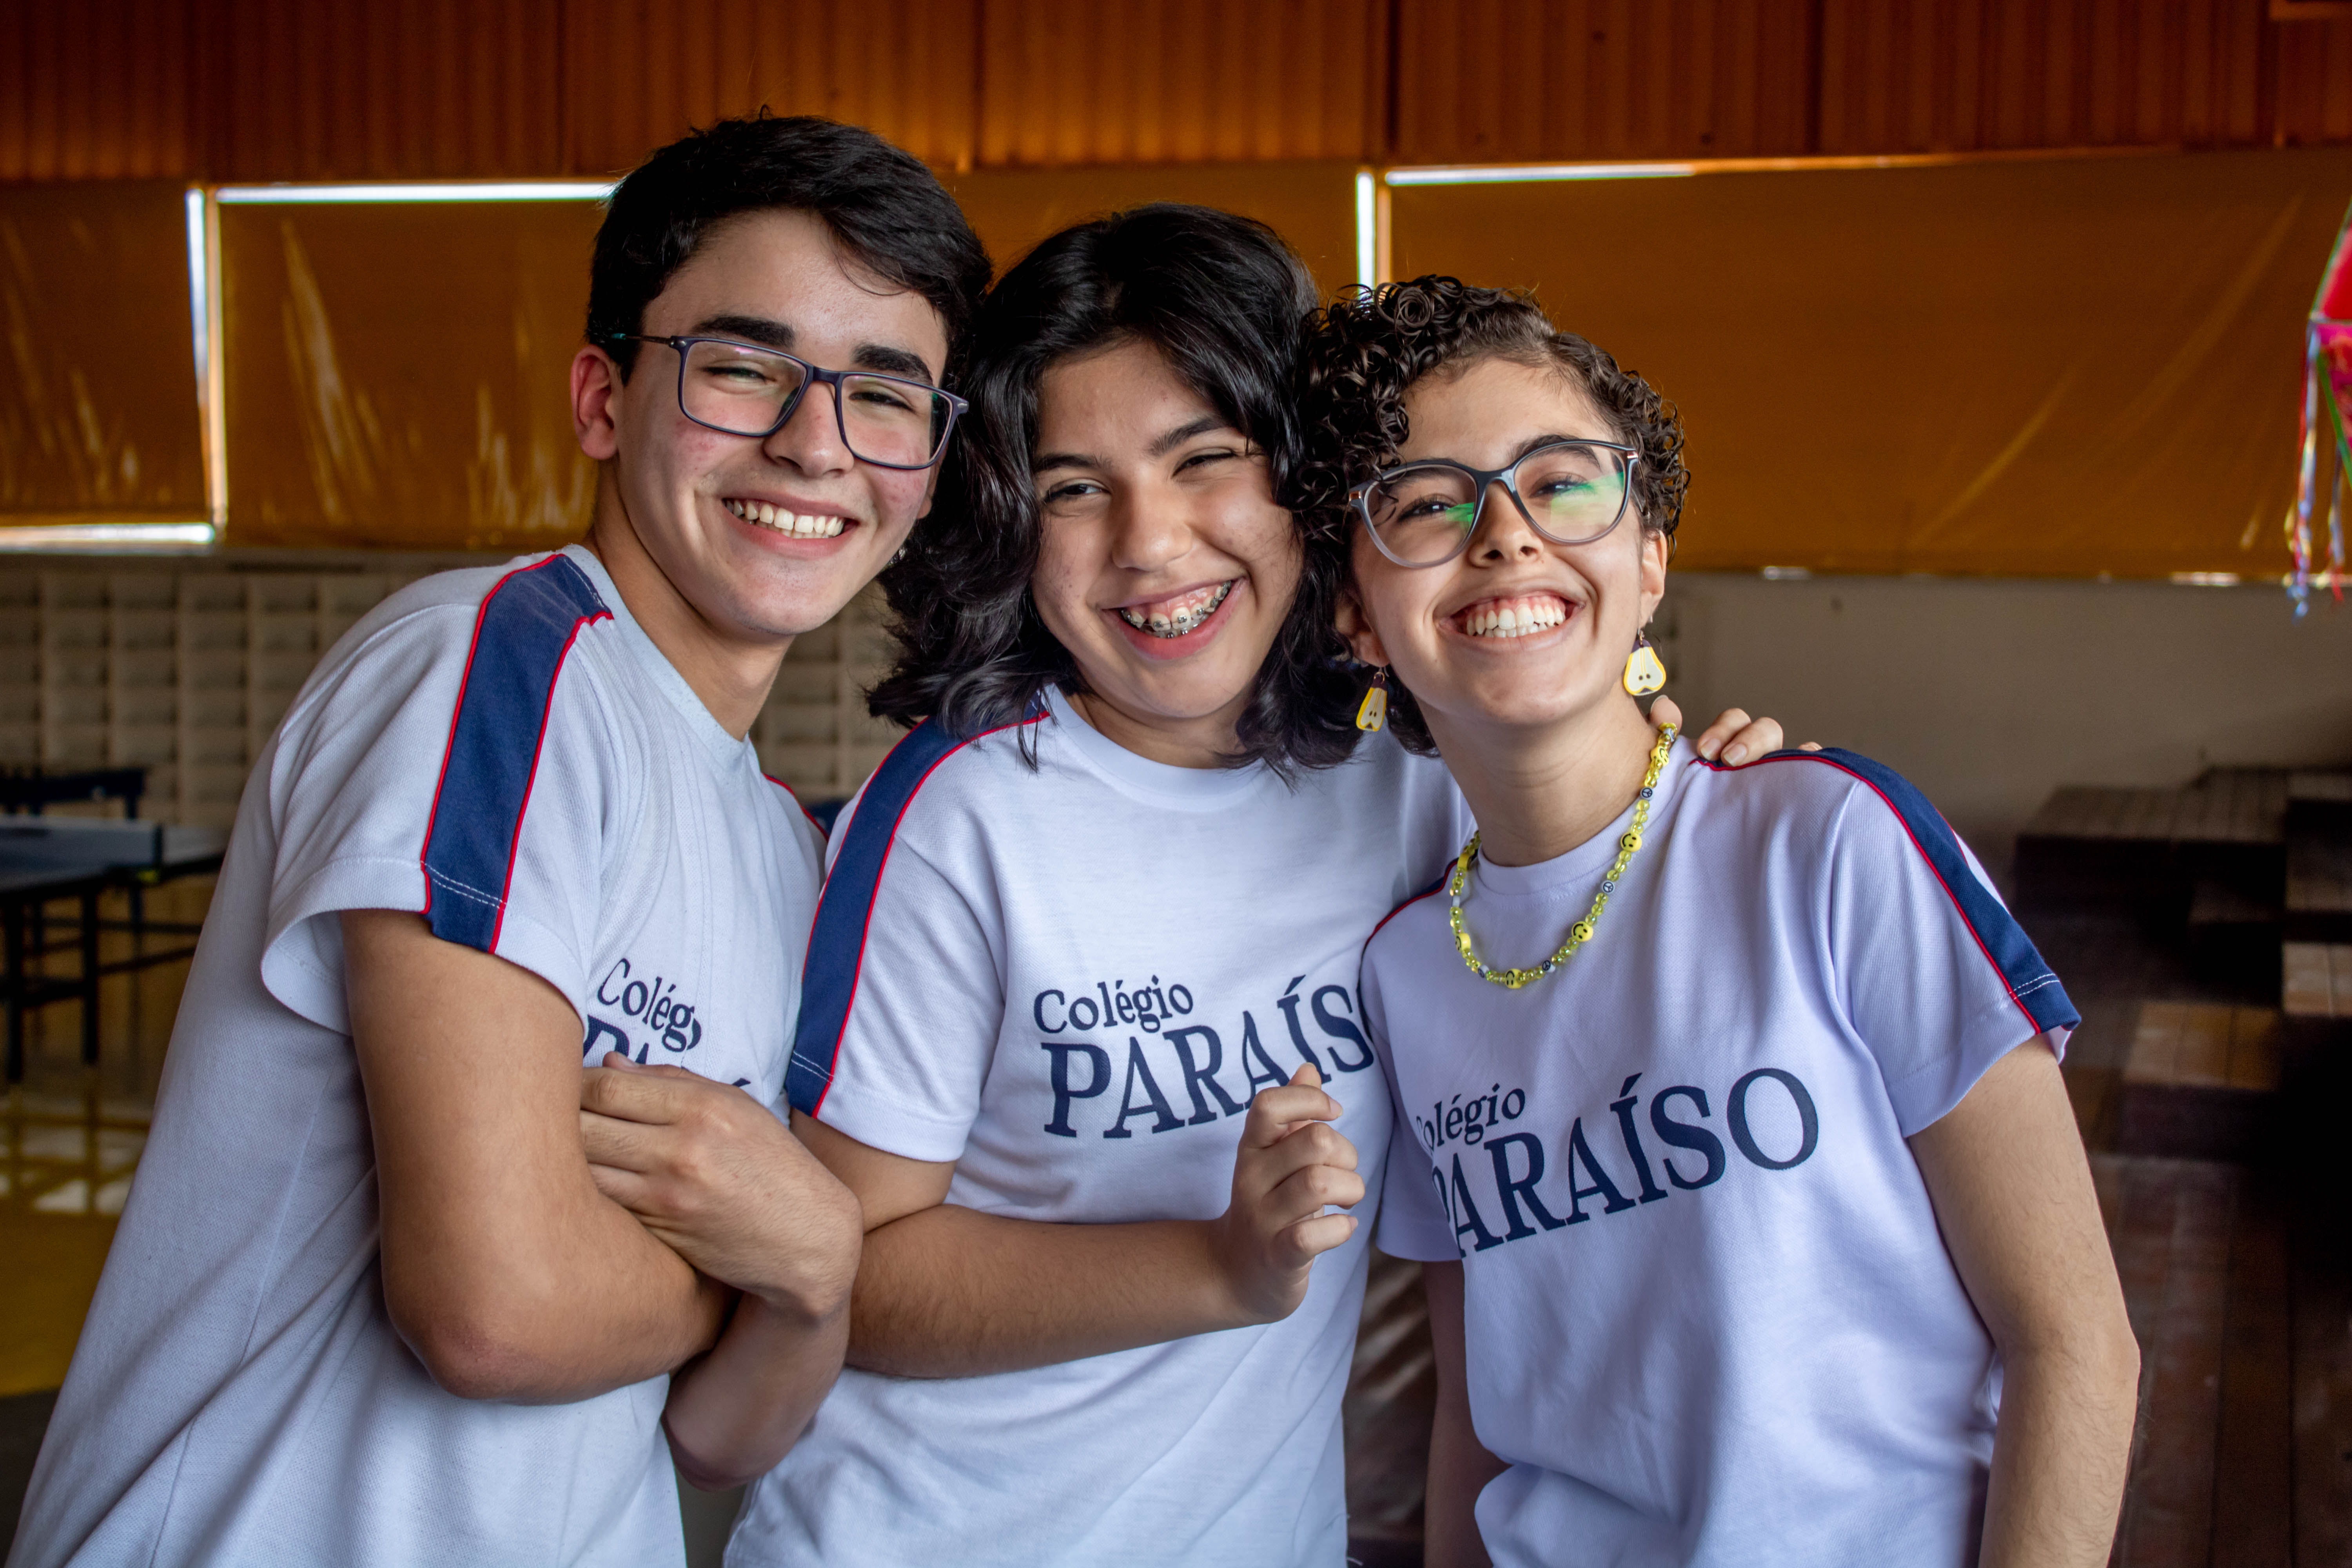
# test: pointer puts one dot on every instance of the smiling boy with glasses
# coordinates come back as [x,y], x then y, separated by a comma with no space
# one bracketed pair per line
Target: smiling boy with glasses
[369,1302]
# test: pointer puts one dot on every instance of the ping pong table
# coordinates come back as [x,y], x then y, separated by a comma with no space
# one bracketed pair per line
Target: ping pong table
[29,786]
[46,861]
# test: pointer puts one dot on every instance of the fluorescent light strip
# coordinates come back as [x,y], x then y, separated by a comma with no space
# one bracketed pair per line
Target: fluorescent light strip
[1368,261]
[167,536]
[1511,173]
[450,191]
[198,314]
[201,327]
[214,407]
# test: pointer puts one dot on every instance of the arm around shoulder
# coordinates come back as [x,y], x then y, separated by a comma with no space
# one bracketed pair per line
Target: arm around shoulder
[504,1268]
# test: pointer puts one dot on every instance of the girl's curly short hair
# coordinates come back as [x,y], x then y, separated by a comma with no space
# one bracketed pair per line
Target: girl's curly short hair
[1367,350]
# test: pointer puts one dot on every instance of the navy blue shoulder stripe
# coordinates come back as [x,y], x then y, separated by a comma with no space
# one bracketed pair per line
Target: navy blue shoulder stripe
[521,637]
[836,948]
[1364,956]
[2030,984]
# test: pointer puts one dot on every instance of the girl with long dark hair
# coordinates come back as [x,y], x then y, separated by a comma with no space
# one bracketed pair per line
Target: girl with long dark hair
[1081,1028]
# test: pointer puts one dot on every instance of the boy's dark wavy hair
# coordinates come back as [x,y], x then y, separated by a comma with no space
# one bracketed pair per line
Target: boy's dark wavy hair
[1368,350]
[884,206]
[1228,303]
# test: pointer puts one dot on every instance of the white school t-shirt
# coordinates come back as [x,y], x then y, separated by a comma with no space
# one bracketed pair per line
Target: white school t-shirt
[1071,981]
[506,751]
[1709,1319]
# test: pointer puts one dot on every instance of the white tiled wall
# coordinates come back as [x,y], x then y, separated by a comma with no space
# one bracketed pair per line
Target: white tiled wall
[185,666]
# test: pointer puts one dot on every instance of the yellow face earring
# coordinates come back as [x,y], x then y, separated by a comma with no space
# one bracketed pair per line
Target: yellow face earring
[1372,714]
[1643,673]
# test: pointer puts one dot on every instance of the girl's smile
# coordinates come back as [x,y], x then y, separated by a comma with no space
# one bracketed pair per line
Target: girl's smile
[1175,624]
[1514,615]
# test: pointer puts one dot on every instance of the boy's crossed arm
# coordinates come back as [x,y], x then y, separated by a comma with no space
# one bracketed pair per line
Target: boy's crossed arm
[505,1268]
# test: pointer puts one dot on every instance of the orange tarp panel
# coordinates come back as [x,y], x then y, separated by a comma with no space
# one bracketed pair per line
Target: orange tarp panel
[99,409]
[2047,367]
[397,374]
[1312,204]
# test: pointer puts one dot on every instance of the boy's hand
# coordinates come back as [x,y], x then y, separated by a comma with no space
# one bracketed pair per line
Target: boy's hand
[1292,1165]
[1734,738]
[707,1170]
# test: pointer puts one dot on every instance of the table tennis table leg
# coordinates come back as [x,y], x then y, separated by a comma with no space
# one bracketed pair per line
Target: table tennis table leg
[90,979]
[13,921]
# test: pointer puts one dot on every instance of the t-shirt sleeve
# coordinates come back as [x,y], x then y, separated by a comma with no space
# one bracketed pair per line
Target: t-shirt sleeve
[1412,1222]
[468,784]
[1935,976]
[903,995]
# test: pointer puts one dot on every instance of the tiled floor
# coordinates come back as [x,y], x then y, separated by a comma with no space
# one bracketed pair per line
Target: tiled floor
[69,1137]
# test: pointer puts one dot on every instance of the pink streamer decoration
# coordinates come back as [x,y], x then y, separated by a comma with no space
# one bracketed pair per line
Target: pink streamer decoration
[2326,394]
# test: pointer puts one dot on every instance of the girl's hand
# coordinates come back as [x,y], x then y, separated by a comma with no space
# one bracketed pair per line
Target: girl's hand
[1292,1165]
[1734,738]
[709,1172]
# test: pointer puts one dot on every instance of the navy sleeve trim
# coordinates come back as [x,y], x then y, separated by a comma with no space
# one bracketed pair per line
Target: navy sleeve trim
[1442,878]
[524,632]
[836,950]
[1364,953]
[2028,979]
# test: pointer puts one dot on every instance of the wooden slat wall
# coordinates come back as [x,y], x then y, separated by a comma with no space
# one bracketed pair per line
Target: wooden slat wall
[258,89]
[391,89]
[1160,82]
[97,91]
[1513,80]
[1914,76]
[2314,85]
[637,76]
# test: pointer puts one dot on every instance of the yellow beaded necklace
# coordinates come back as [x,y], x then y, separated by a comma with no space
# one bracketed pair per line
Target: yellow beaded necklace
[1581,932]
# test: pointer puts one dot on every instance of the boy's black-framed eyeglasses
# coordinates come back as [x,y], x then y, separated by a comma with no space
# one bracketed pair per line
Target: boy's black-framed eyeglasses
[1425,513]
[741,389]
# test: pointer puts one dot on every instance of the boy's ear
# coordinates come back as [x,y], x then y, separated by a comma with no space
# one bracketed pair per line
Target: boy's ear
[595,383]
[1357,629]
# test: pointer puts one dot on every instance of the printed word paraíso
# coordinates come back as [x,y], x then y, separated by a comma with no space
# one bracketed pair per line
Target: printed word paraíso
[1524,1188]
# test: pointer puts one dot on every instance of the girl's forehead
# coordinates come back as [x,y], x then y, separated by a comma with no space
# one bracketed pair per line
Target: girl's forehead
[1114,397]
[1494,403]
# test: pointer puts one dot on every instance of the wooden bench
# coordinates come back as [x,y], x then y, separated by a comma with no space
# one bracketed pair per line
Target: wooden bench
[2318,802]
[2319,888]
[2199,1079]
[2316,980]
[2104,844]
